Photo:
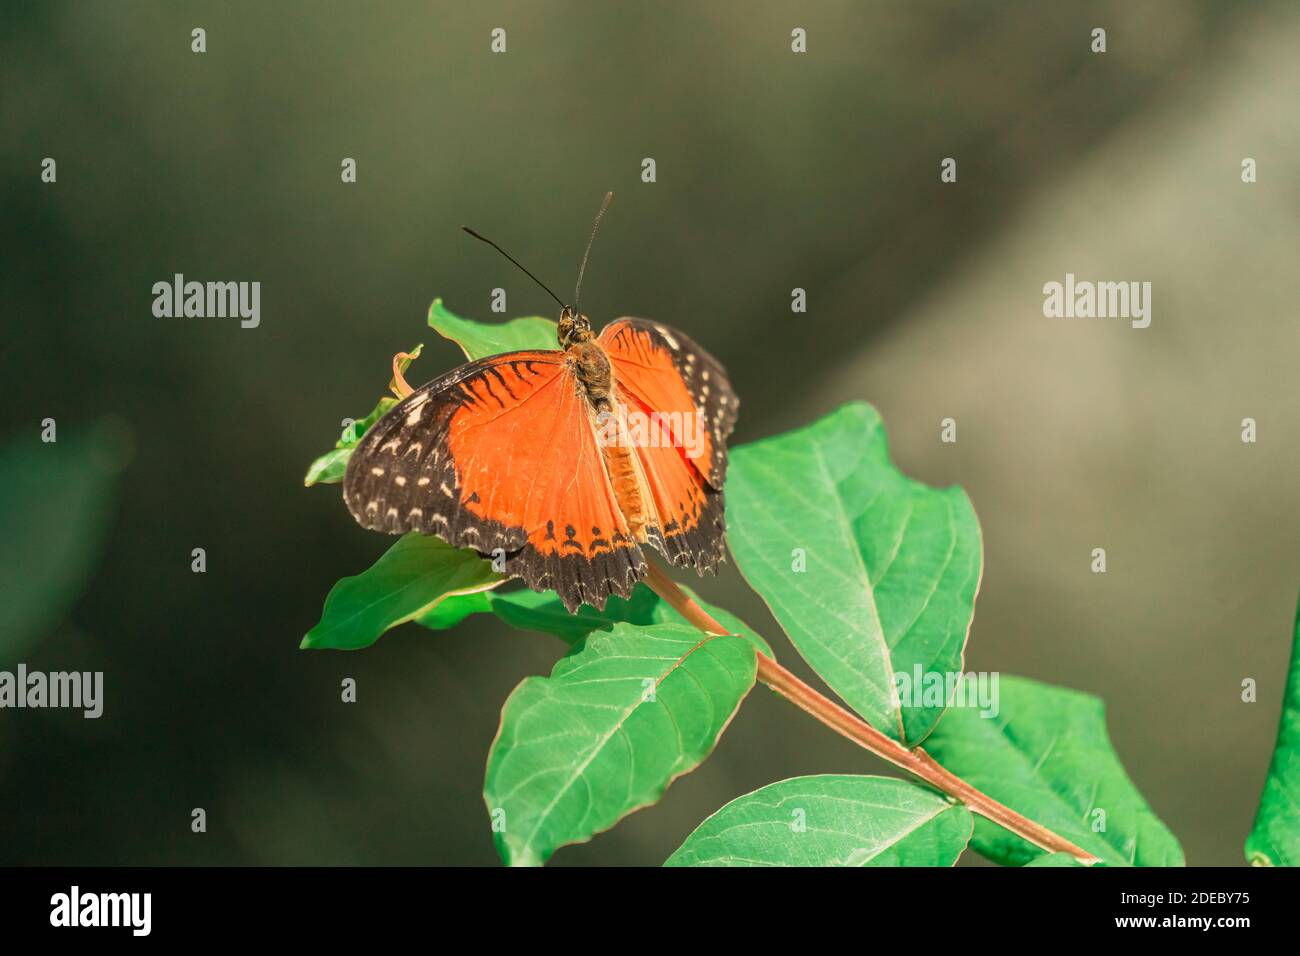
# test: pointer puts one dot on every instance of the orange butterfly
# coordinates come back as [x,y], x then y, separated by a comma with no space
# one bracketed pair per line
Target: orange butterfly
[562,462]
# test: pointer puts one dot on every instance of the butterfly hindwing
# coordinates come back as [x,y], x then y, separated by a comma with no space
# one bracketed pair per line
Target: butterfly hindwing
[500,455]
[691,528]
[661,372]
[665,370]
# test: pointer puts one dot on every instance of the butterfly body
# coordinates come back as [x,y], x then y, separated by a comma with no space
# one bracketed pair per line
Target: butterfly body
[544,459]
[593,371]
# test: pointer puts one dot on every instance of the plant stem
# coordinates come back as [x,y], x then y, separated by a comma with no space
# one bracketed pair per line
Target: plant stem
[915,761]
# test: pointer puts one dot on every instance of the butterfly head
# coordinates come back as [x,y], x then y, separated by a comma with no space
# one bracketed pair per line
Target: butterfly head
[573,328]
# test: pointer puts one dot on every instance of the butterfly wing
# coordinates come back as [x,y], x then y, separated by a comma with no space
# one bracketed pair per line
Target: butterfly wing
[688,525]
[664,370]
[500,455]
[681,398]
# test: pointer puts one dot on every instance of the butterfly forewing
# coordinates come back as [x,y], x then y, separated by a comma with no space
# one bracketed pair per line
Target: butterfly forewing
[500,456]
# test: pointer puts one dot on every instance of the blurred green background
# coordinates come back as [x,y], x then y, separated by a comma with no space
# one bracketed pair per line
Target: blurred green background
[775,171]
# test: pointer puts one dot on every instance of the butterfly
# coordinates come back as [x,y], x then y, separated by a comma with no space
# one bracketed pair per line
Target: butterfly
[563,464]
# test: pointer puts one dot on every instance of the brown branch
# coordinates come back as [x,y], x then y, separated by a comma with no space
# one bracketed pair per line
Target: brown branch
[915,761]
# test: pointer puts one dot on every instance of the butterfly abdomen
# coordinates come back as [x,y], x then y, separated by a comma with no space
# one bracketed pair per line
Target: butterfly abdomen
[625,481]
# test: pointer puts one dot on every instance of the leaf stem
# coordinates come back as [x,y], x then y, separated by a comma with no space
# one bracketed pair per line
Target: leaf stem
[915,761]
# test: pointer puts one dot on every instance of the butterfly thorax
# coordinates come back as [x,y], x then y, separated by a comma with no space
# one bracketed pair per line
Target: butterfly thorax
[588,360]
[591,367]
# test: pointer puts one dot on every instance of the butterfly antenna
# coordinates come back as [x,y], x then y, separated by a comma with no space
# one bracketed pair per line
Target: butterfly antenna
[577,291]
[517,264]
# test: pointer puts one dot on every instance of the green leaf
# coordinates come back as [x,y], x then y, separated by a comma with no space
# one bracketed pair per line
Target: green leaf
[410,580]
[664,613]
[56,502]
[329,468]
[352,435]
[1059,859]
[831,820]
[892,566]
[1275,838]
[543,611]
[533,611]
[622,715]
[481,339]
[453,609]
[1046,754]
